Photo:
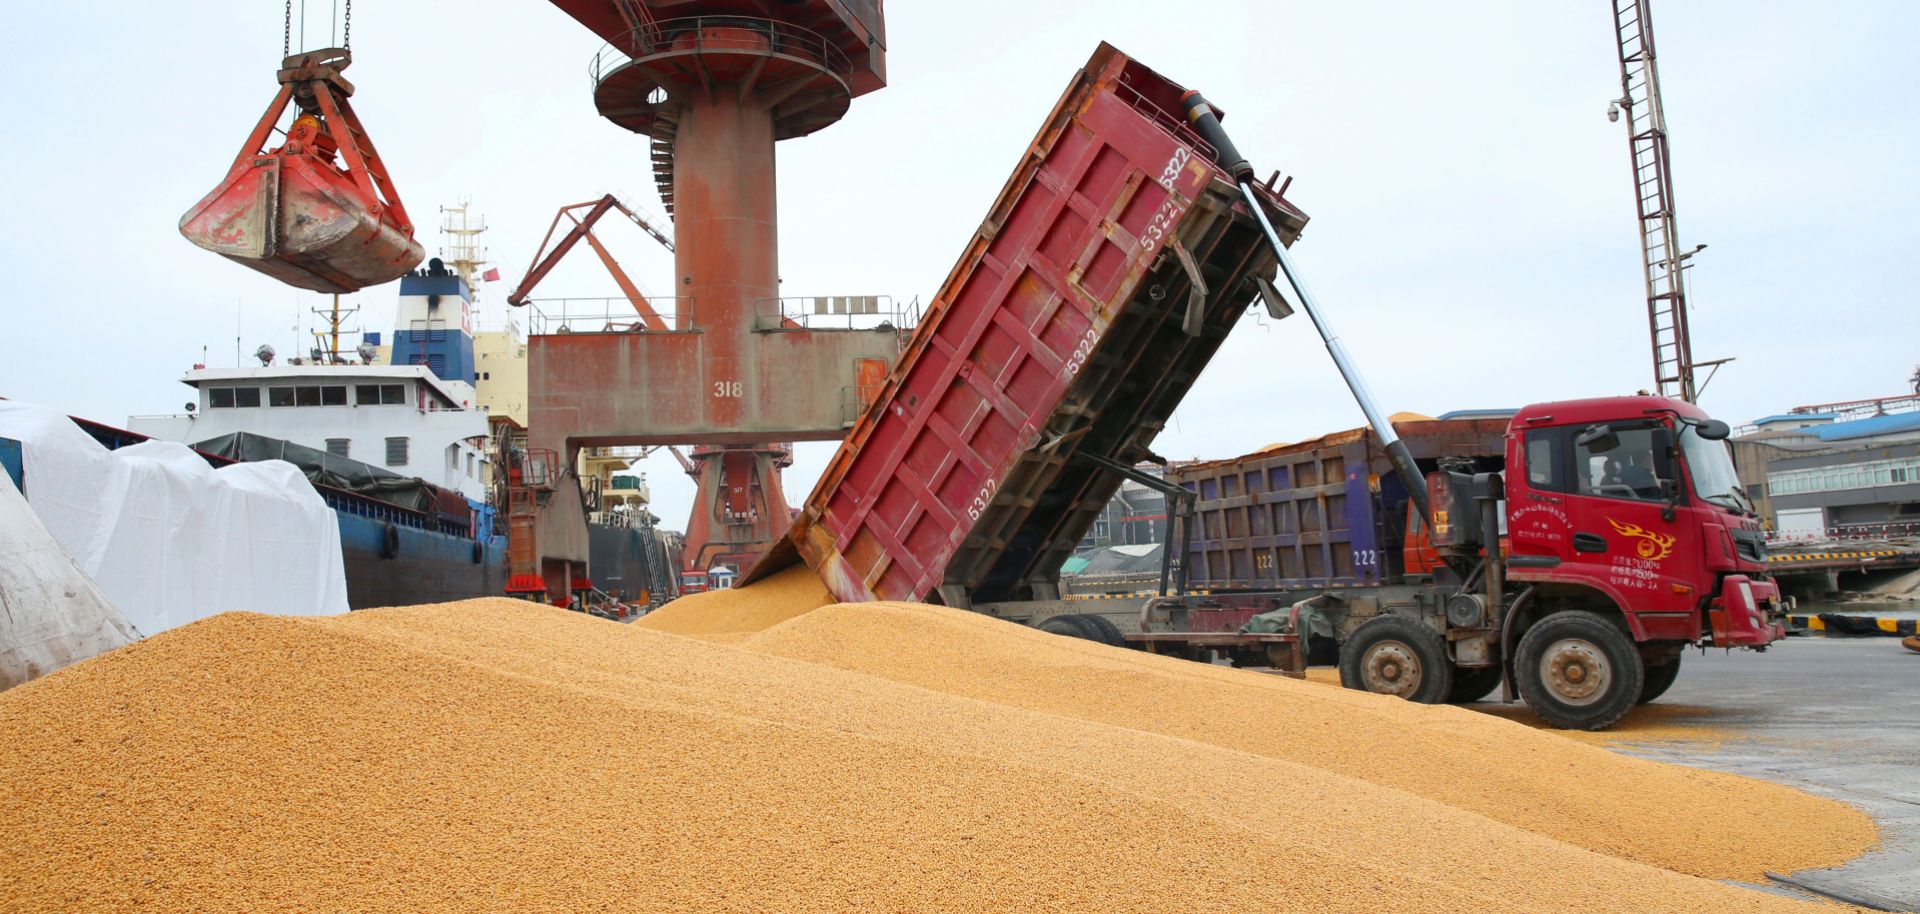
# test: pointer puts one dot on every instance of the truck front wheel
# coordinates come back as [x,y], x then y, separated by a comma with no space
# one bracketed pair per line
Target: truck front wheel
[1395,655]
[1578,671]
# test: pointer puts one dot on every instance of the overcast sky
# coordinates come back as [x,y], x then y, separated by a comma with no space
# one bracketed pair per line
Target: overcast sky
[1472,234]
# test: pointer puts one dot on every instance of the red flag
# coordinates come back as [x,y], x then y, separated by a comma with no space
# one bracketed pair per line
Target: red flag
[492,275]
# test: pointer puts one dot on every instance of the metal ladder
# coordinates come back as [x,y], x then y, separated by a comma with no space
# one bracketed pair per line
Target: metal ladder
[1660,252]
[643,27]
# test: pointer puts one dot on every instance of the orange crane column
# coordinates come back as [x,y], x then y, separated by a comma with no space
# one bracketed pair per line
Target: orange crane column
[726,253]
[713,84]
[726,248]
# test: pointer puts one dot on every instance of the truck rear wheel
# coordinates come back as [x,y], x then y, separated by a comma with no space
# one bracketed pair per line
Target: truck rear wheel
[1395,655]
[1472,683]
[1084,626]
[1659,678]
[1578,671]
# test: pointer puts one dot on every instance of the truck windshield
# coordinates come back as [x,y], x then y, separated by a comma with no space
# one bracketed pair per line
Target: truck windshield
[1711,466]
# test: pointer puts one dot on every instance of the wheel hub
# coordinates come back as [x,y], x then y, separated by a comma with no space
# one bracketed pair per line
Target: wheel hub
[1391,668]
[1575,671]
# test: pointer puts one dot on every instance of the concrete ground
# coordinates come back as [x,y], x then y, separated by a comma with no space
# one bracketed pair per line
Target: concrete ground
[1839,717]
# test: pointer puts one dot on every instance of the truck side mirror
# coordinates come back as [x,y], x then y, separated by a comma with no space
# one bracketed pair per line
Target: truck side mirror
[1713,430]
[1666,469]
[1663,460]
[1598,439]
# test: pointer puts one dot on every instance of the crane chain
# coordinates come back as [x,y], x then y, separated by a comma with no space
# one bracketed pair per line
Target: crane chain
[286,28]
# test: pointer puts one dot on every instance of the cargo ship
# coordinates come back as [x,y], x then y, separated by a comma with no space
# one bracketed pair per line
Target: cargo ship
[400,452]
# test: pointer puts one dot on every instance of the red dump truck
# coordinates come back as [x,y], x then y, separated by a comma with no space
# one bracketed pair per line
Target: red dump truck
[1619,537]
[1128,242]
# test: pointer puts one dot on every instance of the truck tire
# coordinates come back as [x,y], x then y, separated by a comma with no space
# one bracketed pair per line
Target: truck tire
[1395,655]
[1085,626]
[1109,633]
[1472,683]
[1578,671]
[1659,679]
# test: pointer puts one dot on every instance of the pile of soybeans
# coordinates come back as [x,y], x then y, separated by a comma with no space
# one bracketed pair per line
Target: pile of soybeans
[761,750]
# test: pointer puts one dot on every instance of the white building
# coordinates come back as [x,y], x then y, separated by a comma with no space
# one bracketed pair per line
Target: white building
[400,417]
[500,372]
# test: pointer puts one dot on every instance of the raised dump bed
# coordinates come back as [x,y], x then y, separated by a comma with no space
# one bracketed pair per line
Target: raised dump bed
[1105,276]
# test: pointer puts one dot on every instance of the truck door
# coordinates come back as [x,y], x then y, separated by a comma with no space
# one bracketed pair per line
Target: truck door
[1593,512]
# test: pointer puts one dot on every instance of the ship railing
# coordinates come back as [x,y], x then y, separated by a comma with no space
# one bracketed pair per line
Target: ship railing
[552,316]
[834,312]
[623,519]
[359,505]
[508,325]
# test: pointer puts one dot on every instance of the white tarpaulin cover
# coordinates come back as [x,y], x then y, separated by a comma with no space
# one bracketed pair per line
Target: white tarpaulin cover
[50,614]
[168,538]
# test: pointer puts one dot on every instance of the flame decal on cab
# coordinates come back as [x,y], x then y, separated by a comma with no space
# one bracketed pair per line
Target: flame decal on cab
[1651,546]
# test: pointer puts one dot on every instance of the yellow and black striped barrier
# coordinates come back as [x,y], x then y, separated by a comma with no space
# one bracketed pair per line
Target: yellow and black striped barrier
[1859,555]
[1109,596]
[1840,624]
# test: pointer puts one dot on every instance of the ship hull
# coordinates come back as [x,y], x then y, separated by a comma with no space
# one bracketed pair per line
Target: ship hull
[631,562]
[409,565]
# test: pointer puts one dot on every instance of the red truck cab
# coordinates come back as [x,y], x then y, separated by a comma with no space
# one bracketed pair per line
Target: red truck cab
[1627,508]
[1625,496]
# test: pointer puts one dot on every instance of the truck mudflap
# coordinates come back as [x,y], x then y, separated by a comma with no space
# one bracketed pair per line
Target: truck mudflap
[1748,613]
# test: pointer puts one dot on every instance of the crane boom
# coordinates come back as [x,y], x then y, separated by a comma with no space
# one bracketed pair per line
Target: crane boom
[545,259]
[1660,254]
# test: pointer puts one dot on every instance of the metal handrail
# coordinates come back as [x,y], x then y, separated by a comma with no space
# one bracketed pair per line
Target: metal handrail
[781,38]
[848,312]
[549,316]
[1847,532]
[505,325]
[1164,119]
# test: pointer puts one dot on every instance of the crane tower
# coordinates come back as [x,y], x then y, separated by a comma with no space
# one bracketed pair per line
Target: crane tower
[712,85]
[1661,258]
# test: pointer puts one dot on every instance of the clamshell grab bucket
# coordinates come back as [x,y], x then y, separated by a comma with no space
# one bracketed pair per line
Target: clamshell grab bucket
[318,212]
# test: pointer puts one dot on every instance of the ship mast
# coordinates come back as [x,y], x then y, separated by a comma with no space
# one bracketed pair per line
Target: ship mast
[462,252]
[326,349]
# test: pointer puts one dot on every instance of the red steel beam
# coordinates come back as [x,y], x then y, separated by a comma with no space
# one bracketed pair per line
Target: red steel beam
[583,228]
